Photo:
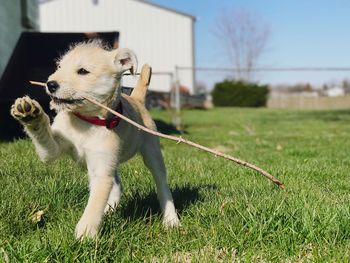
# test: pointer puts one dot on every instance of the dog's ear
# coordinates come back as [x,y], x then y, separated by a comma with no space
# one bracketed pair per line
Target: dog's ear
[125,59]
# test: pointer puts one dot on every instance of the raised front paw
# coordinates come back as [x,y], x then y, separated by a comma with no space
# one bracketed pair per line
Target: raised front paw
[26,109]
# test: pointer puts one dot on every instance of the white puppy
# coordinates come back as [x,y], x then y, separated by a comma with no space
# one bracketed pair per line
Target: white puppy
[89,69]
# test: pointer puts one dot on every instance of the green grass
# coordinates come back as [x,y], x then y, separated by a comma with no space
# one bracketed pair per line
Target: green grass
[226,211]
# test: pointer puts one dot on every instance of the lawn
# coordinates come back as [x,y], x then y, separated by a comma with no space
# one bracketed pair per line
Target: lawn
[226,211]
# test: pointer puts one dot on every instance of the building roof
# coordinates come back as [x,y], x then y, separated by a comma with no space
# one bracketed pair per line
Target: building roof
[147,3]
[167,8]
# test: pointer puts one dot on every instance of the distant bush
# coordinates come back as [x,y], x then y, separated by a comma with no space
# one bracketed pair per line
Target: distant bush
[239,94]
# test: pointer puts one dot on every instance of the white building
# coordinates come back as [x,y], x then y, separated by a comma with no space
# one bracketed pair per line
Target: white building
[335,91]
[159,36]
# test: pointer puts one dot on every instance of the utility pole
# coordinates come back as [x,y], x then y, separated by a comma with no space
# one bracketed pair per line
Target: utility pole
[177,118]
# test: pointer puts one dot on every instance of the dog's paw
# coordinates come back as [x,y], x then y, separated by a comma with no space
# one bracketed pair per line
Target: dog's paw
[170,222]
[26,109]
[112,204]
[109,209]
[85,230]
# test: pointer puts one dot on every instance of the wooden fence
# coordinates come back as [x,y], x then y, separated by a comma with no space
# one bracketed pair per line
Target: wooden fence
[314,103]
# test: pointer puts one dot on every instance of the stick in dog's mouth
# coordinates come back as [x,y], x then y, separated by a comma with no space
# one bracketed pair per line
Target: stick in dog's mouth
[37,83]
[65,101]
[182,140]
[56,99]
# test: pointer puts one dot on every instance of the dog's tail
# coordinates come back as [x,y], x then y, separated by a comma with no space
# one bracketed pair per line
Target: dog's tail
[139,92]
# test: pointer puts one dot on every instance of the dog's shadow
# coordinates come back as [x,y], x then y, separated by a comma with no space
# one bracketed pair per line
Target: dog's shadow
[168,128]
[147,206]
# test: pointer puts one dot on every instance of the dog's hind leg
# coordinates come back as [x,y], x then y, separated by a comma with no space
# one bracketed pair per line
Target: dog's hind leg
[114,195]
[153,159]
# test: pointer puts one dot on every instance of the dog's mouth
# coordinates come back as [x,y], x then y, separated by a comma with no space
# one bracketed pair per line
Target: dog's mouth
[61,101]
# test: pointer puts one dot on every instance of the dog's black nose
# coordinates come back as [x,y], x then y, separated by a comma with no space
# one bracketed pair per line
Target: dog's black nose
[52,86]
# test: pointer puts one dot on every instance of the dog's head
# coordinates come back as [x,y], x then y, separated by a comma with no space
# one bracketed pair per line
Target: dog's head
[88,69]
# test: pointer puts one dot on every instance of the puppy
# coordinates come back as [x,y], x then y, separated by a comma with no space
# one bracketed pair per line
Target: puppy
[90,69]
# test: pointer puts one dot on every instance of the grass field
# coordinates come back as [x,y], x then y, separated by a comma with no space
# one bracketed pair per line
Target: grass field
[226,211]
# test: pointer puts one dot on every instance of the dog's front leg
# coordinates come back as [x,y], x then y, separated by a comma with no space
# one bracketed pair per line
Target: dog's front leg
[37,125]
[100,187]
[101,181]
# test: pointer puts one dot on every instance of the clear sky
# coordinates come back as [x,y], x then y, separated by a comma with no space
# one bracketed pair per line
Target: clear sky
[303,33]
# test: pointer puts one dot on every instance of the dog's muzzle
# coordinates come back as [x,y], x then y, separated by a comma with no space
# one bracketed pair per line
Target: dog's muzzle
[65,101]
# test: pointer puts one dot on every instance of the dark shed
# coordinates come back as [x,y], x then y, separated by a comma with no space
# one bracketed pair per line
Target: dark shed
[33,58]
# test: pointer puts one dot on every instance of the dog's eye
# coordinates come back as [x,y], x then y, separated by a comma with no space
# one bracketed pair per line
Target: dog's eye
[82,71]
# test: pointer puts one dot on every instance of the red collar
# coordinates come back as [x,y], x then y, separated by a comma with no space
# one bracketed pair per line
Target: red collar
[109,123]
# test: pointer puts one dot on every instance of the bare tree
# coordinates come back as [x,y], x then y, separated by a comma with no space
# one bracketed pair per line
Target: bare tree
[244,38]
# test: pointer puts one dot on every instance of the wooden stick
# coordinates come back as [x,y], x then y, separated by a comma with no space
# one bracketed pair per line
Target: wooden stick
[38,83]
[182,140]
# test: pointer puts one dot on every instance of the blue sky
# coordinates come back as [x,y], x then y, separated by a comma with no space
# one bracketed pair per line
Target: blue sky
[303,33]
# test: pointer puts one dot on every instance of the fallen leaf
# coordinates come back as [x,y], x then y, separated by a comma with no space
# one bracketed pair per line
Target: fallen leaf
[37,216]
